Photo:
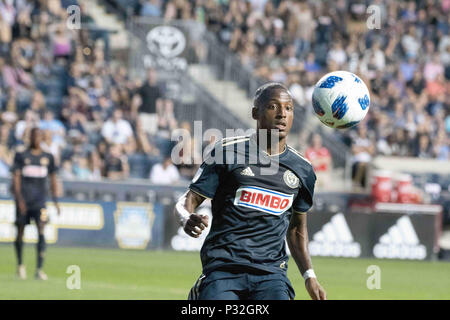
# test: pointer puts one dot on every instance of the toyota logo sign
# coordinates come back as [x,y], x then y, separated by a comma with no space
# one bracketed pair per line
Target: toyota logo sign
[166,41]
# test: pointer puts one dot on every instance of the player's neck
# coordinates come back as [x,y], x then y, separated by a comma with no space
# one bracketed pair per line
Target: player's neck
[36,150]
[278,147]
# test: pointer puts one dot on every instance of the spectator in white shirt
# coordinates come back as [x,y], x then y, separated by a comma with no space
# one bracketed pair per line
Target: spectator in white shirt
[30,120]
[164,173]
[117,130]
[337,54]
[409,42]
[433,68]
[258,5]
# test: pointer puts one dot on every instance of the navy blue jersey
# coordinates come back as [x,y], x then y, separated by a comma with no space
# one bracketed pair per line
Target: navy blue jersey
[251,210]
[34,170]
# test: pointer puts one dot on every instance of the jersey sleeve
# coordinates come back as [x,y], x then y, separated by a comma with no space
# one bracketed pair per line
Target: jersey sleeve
[206,180]
[304,200]
[52,168]
[18,162]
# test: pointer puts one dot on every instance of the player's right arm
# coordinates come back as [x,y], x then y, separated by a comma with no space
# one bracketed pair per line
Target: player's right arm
[17,183]
[203,186]
[192,223]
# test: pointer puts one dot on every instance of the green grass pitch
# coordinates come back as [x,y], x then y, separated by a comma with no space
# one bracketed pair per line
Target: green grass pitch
[123,274]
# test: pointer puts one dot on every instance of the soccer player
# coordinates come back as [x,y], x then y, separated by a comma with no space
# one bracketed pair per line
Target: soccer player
[30,171]
[244,255]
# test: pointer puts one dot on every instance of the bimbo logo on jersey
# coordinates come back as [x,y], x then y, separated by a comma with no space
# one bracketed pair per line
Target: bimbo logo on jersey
[264,200]
[32,171]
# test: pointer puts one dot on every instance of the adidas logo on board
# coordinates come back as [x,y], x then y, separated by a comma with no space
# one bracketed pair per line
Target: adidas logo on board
[400,241]
[335,239]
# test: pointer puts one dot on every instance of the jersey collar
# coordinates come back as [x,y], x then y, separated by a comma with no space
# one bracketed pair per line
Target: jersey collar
[253,139]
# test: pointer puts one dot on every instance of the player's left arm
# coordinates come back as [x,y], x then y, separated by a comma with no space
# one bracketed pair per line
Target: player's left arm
[54,183]
[54,191]
[297,239]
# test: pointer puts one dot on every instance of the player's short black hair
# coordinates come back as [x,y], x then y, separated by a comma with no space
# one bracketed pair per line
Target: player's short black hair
[264,92]
[34,130]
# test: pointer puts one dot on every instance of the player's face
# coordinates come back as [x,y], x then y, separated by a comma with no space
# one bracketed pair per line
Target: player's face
[277,112]
[36,138]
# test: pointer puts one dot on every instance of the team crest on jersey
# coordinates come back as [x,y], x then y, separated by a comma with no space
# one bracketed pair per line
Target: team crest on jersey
[27,161]
[44,161]
[264,200]
[291,179]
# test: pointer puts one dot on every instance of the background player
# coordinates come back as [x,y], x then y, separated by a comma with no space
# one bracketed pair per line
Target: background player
[244,254]
[30,171]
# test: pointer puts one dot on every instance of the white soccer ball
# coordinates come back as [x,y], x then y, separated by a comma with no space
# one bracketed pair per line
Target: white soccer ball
[340,99]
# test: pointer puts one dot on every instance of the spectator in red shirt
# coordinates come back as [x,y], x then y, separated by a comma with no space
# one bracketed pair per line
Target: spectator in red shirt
[320,158]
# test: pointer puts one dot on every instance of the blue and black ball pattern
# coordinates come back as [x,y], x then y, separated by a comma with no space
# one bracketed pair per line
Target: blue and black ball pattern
[356,78]
[348,125]
[339,107]
[330,82]
[317,108]
[364,102]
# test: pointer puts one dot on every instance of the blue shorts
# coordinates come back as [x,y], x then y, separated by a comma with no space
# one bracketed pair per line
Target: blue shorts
[225,285]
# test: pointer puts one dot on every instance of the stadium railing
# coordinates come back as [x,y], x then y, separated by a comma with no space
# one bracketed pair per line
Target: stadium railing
[207,108]
[228,67]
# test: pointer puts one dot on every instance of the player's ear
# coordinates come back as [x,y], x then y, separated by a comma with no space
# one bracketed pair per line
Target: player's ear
[255,113]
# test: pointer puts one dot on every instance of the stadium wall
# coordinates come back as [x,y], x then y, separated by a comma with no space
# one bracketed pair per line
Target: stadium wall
[336,227]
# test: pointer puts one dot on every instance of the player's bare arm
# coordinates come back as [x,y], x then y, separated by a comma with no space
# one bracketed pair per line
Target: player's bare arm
[54,191]
[193,224]
[17,183]
[297,239]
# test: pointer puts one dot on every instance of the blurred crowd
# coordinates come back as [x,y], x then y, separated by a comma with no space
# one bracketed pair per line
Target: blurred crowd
[97,122]
[100,123]
[401,49]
